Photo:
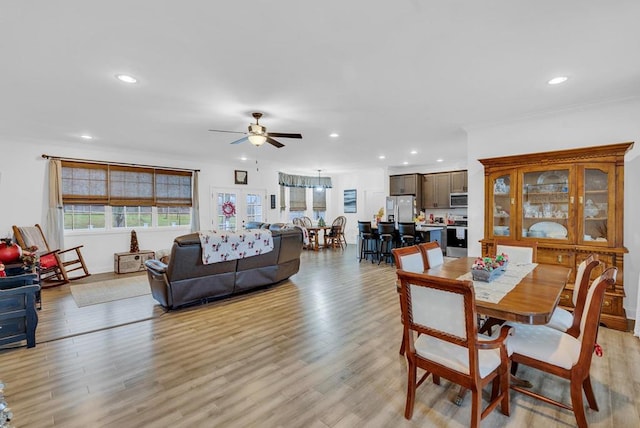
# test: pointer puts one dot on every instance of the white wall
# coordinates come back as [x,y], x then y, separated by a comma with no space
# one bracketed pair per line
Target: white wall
[595,125]
[24,199]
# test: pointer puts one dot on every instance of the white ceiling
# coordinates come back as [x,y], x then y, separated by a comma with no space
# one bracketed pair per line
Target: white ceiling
[388,76]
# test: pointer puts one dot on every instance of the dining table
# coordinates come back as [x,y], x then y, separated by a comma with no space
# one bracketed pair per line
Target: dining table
[531,301]
[314,237]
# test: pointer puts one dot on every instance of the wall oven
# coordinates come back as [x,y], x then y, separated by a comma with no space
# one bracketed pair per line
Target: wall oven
[456,241]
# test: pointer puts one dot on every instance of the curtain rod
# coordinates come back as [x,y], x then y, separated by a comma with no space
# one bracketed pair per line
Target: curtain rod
[117,163]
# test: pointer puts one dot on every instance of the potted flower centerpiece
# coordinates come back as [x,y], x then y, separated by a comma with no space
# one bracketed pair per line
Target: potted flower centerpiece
[488,268]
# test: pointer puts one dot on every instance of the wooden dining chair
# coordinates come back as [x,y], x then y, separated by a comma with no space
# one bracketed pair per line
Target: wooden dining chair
[431,254]
[408,259]
[558,353]
[518,251]
[55,264]
[569,322]
[443,312]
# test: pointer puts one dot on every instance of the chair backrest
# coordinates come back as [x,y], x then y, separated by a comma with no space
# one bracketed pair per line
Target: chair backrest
[297,221]
[407,229]
[306,221]
[580,291]
[339,221]
[591,317]
[518,251]
[409,259]
[431,254]
[29,236]
[364,227]
[386,228]
[442,308]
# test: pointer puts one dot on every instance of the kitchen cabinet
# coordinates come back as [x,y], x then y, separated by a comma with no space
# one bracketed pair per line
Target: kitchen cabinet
[458,181]
[571,202]
[435,190]
[403,184]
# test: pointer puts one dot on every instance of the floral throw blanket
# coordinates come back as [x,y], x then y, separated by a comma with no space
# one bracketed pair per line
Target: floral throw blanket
[224,245]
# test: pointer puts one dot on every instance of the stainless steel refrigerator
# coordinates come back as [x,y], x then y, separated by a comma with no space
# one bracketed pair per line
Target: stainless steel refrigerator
[402,208]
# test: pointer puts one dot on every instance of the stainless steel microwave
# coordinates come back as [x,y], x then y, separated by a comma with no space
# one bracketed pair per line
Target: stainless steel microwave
[458,200]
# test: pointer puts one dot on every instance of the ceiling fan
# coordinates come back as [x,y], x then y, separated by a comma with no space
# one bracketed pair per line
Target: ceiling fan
[258,134]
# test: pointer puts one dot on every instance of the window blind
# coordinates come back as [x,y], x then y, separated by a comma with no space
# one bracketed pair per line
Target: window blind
[118,185]
[297,199]
[319,200]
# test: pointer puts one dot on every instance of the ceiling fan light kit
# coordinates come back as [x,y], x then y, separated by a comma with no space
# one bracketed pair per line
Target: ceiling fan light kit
[258,135]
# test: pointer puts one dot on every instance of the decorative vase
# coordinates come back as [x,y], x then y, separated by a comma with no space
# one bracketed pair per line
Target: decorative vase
[9,253]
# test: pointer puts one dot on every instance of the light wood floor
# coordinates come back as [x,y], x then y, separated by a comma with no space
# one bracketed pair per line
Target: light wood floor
[318,350]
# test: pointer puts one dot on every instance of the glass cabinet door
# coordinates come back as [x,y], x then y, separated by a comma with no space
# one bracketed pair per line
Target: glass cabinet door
[546,204]
[596,203]
[503,204]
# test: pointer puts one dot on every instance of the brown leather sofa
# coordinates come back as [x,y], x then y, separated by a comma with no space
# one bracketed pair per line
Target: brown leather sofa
[185,279]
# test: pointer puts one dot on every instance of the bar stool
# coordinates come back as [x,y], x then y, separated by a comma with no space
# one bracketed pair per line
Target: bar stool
[367,238]
[385,233]
[407,233]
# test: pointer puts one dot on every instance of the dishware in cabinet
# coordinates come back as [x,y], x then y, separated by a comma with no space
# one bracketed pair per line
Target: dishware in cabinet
[502,204]
[596,202]
[547,203]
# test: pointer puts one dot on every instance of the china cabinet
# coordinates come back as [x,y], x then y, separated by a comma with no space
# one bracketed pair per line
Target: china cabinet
[571,202]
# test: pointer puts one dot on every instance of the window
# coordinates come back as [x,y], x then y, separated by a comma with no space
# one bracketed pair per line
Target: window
[319,203]
[227,217]
[174,216]
[78,217]
[128,195]
[131,217]
[254,207]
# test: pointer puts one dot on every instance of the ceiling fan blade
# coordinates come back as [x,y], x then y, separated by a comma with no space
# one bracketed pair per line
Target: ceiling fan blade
[230,132]
[274,142]
[280,134]
[241,140]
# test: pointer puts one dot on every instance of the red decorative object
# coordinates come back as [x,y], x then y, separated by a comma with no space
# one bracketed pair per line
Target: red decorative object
[9,253]
[228,209]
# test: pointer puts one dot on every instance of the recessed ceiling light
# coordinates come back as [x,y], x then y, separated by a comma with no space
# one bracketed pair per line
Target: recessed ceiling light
[381,157]
[405,163]
[558,80]
[439,160]
[334,135]
[413,152]
[126,78]
[244,158]
[86,137]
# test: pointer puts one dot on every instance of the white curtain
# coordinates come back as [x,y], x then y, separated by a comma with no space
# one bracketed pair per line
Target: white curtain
[195,205]
[55,216]
[636,330]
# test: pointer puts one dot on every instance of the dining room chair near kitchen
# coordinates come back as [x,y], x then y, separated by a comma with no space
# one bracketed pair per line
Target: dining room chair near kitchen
[431,254]
[569,322]
[386,231]
[443,312]
[55,264]
[552,351]
[407,232]
[335,237]
[409,259]
[518,251]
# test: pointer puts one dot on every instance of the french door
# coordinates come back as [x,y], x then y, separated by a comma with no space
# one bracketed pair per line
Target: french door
[232,208]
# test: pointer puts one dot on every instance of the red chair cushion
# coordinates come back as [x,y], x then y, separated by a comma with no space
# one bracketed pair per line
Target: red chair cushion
[47,261]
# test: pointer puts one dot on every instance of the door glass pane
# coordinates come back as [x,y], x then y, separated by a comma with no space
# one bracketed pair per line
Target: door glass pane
[596,207]
[254,207]
[501,205]
[545,204]
[227,216]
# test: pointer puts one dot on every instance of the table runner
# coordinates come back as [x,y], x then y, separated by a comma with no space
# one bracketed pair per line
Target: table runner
[224,245]
[495,290]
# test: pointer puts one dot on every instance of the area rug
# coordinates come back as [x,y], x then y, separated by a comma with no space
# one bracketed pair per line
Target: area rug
[110,290]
